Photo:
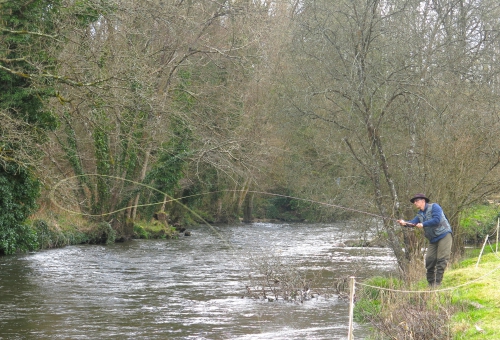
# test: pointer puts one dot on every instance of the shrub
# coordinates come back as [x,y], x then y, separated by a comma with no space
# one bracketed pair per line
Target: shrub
[50,235]
[140,232]
[275,280]
[103,234]
[154,230]
[44,234]
[369,297]
[397,312]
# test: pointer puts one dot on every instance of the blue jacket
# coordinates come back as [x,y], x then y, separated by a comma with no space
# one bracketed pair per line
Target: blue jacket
[435,223]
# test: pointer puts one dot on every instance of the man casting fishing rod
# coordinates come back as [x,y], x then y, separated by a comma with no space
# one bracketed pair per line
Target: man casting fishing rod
[437,230]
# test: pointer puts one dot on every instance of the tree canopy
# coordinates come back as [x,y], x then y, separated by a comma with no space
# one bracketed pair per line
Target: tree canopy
[353,103]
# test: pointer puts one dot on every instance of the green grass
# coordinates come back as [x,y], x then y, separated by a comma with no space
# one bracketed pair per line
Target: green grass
[466,305]
[478,294]
[55,230]
[153,230]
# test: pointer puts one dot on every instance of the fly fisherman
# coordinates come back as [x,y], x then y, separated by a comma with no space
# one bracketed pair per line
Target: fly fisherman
[437,230]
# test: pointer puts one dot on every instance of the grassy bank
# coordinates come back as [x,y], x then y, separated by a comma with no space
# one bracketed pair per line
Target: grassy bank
[478,279]
[465,306]
[478,295]
[53,230]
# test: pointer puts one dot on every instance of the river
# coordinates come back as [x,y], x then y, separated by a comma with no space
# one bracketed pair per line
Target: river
[187,288]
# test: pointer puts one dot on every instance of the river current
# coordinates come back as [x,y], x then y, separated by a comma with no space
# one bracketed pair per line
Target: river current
[187,288]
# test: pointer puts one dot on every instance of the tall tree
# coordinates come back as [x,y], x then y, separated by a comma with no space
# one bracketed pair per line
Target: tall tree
[26,27]
[386,76]
[33,33]
[184,62]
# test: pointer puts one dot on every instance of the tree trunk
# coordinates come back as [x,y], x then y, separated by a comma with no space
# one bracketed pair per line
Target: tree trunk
[248,209]
[143,175]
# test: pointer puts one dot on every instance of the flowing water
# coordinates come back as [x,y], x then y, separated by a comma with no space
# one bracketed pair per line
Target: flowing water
[188,288]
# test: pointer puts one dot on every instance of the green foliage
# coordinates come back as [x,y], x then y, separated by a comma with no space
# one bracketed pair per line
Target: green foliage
[128,160]
[70,147]
[169,169]
[364,308]
[43,233]
[17,95]
[154,230]
[479,221]
[103,233]
[102,157]
[140,232]
[369,298]
[27,103]
[87,12]
[18,193]
[290,209]
[19,238]
[23,100]
[53,237]
[182,99]
[61,229]
[285,208]
[377,281]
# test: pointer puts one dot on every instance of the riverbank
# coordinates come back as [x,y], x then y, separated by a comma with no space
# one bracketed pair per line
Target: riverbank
[60,230]
[478,294]
[465,306]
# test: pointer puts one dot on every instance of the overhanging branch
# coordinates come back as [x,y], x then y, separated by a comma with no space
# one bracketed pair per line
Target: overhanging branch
[61,79]
[39,34]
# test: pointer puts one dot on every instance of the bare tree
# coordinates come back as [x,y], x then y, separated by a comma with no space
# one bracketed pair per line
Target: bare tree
[187,61]
[387,78]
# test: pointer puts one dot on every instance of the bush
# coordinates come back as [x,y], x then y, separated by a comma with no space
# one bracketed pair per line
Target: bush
[102,234]
[18,238]
[397,312]
[52,236]
[140,232]
[368,303]
[154,230]
[274,280]
[44,234]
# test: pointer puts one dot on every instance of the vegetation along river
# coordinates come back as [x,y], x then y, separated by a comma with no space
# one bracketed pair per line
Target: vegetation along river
[188,288]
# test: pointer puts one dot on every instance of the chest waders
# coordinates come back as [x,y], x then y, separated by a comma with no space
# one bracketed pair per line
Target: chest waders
[438,253]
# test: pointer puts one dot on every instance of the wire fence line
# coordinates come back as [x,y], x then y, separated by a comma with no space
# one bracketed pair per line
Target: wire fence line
[495,252]
[414,306]
[432,290]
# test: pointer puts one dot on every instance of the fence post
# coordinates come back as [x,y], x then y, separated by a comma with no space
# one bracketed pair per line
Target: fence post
[481,253]
[352,287]
[498,227]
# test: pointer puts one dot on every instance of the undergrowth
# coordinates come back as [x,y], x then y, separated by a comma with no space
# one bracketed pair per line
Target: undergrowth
[55,230]
[465,306]
[398,311]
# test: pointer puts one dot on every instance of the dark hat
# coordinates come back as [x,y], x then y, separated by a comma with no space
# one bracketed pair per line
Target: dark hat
[419,196]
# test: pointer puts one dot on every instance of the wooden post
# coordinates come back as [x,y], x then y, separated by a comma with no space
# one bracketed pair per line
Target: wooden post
[352,287]
[498,227]
[481,253]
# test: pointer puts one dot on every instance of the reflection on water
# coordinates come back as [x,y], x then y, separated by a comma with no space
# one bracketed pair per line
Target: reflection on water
[190,288]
